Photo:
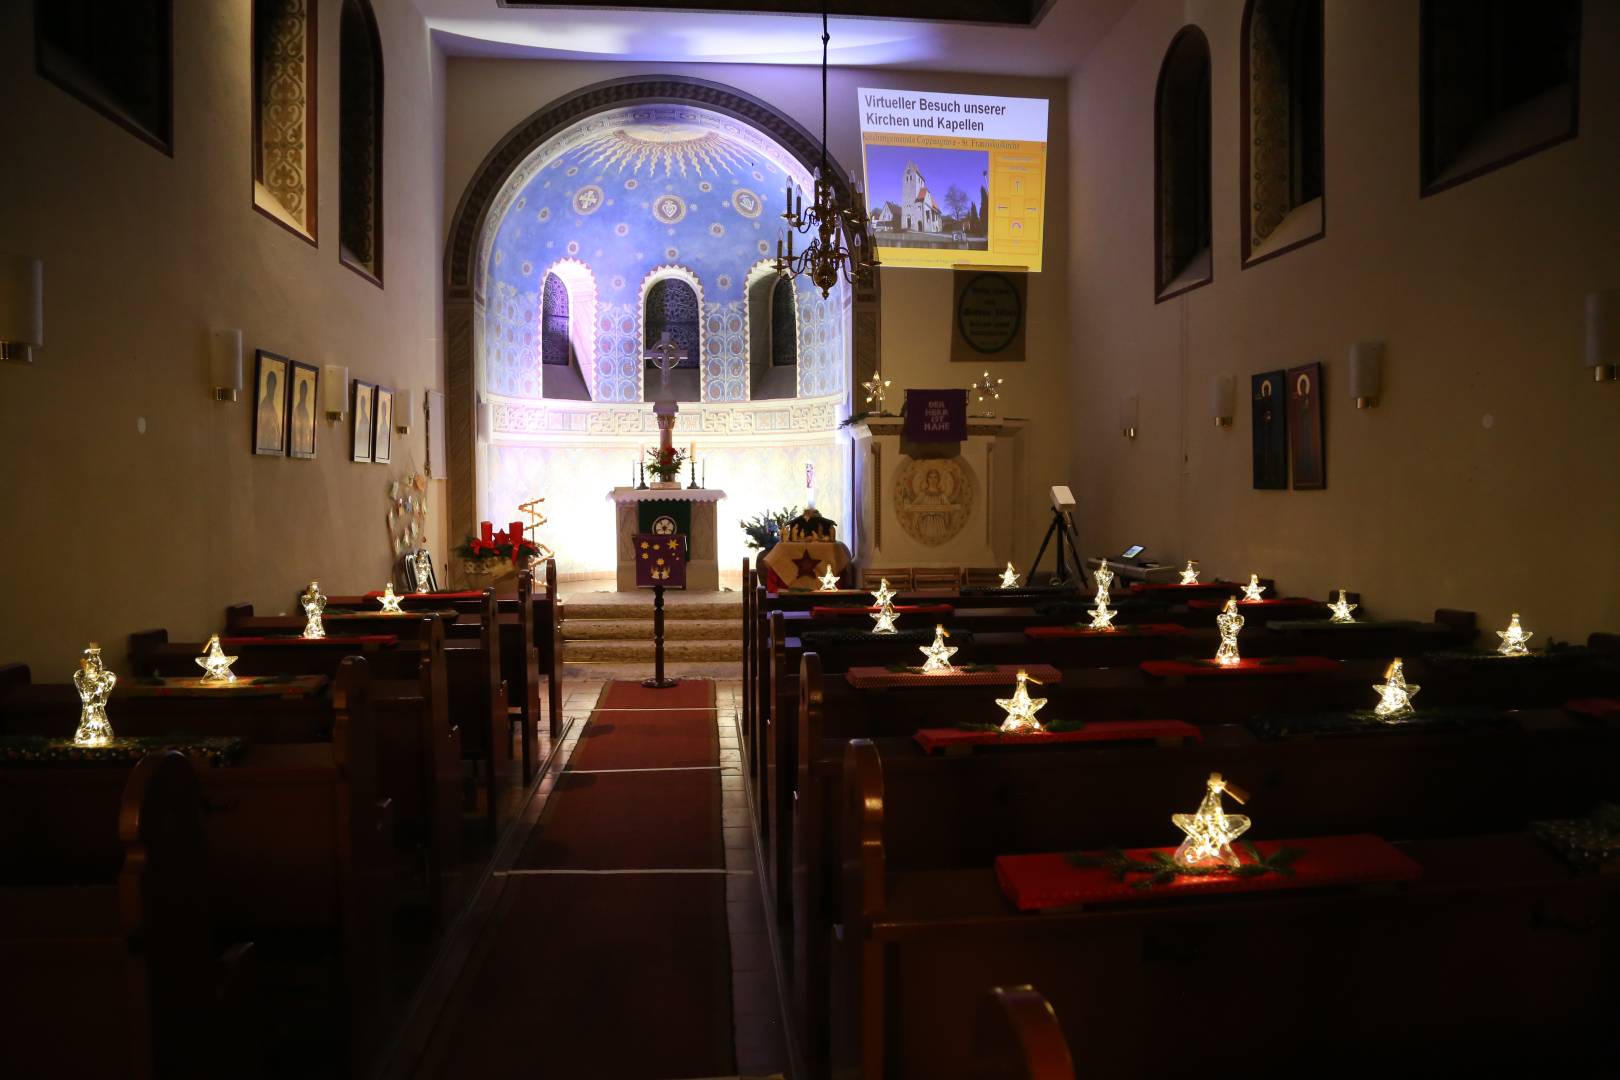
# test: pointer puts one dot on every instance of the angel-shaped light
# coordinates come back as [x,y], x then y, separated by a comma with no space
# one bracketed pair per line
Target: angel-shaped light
[1105,580]
[1254,590]
[1102,617]
[1009,577]
[1394,694]
[1211,830]
[885,616]
[389,602]
[422,563]
[1515,639]
[215,664]
[1189,576]
[1021,708]
[884,595]
[829,580]
[94,684]
[313,602]
[1229,622]
[1341,609]
[938,655]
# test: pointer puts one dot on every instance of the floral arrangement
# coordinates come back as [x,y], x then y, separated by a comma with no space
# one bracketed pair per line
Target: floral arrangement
[666,468]
[509,544]
[764,529]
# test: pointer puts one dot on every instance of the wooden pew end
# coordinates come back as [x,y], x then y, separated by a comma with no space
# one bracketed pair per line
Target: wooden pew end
[1017,1037]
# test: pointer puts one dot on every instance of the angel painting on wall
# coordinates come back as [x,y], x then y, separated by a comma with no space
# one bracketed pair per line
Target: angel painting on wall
[1269,417]
[1305,427]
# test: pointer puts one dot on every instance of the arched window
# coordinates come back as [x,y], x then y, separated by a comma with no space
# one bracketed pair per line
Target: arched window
[1181,167]
[116,58]
[1500,80]
[773,335]
[360,118]
[784,325]
[560,374]
[672,308]
[1282,182]
[284,139]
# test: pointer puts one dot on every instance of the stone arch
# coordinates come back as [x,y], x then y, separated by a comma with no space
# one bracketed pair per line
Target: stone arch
[580,282]
[685,275]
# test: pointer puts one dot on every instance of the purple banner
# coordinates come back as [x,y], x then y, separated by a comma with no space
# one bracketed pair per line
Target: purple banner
[935,416]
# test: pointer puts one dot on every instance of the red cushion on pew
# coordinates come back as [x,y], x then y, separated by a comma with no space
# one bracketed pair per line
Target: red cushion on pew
[1278,665]
[1175,586]
[1140,630]
[830,612]
[874,678]
[1304,603]
[466,594]
[931,739]
[351,639]
[1597,708]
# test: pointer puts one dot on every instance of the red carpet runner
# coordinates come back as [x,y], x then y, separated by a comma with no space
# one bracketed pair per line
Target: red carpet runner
[604,975]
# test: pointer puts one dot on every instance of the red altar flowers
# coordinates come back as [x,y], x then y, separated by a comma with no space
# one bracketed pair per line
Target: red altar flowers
[510,543]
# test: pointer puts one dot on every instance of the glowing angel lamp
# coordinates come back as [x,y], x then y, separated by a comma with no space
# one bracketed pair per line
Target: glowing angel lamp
[1341,609]
[1021,708]
[1229,622]
[94,684]
[313,602]
[1009,577]
[1189,576]
[1253,590]
[1105,579]
[389,602]
[215,664]
[1515,639]
[885,616]
[1394,694]
[422,562]
[1102,617]
[1211,830]
[829,580]
[884,595]
[937,656]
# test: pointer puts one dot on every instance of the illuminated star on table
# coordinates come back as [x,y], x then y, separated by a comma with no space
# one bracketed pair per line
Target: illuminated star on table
[1189,576]
[389,602]
[1253,590]
[1009,577]
[1341,609]
[829,580]
[807,564]
[938,655]
[1395,695]
[1102,617]
[885,616]
[1021,708]
[215,664]
[1514,639]
[1211,830]
[884,595]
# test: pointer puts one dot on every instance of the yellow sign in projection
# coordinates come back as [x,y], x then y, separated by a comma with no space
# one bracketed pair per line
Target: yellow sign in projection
[954,179]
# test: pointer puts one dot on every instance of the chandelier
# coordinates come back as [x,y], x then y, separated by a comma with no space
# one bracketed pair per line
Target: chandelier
[836,222]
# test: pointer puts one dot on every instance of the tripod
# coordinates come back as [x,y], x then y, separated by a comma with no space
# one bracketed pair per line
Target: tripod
[1061,529]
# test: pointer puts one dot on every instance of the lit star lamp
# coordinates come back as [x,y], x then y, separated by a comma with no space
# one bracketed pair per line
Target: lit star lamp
[1021,708]
[313,602]
[215,664]
[389,602]
[1210,830]
[937,656]
[884,595]
[1229,622]
[829,580]
[877,388]
[1394,693]
[1102,617]
[1341,610]
[885,616]
[94,684]
[1009,577]
[1189,576]
[1254,590]
[1515,639]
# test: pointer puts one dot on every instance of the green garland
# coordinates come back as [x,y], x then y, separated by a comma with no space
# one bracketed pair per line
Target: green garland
[916,669]
[1056,727]
[1162,868]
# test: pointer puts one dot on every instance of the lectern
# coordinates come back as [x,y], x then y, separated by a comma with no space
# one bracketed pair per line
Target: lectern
[660,565]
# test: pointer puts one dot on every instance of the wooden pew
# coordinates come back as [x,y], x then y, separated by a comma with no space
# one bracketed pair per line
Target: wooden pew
[749,742]
[105,930]
[1018,1037]
[547,634]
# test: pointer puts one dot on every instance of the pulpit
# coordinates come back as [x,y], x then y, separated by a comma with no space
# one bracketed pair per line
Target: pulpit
[688,511]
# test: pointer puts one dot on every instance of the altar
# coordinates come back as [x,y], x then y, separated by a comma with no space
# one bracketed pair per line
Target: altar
[692,511]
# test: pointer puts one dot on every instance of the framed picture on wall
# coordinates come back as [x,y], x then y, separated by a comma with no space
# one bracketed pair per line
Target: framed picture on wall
[433,408]
[1268,416]
[302,400]
[269,404]
[382,446]
[365,398]
[1305,427]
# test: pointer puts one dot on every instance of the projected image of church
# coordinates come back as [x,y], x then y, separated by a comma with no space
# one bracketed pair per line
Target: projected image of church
[928,196]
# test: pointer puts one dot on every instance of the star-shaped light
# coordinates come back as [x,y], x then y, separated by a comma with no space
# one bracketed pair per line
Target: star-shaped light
[1009,577]
[1211,830]
[1395,695]
[876,387]
[885,616]
[1189,576]
[1102,617]
[829,580]
[1341,609]
[1229,622]
[1253,590]
[1021,708]
[1514,639]
[389,602]
[938,655]
[884,595]
[313,602]
[215,664]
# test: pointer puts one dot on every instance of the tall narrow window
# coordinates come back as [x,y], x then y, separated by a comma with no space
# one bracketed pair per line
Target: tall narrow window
[1282,183]
[672,308]
[560,374]
[1500,81]
[116,58]
[773,344]
[784,325]
[360,130]
[1181,167]
[284,113]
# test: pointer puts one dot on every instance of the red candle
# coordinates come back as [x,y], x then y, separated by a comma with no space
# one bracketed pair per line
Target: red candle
[486,531]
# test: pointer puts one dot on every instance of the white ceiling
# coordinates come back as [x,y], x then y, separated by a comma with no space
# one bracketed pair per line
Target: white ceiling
[1052,48]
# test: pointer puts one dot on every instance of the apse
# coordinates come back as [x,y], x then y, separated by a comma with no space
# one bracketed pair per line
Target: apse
[634,225]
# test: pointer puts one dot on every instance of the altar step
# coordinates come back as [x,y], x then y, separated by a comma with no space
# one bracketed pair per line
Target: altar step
[674,609]
[674,629]
[622,632]
[605,651]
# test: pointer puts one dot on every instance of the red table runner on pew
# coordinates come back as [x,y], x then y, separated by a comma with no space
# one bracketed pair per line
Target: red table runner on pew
[1270,665]
[467,594]
[1287,602]
[1139,630]
[1176,586]
[931,739]
[282,686]
[1597,708]
[1036,882]
[877,678]
[831,612]
[351,639]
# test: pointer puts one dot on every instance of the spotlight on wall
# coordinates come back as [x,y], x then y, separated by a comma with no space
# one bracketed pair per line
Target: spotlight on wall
[225,364]
[22,307]
[1603,334]
[1129,409]
[335,391]
[1223,399]
[1366,373]
[404,410]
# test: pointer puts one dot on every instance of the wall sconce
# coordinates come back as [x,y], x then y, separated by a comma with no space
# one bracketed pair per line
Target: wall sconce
[22,307]
[335,391]
[1129,409]
[1366,373]
[404,411]
[225,364]
[1603,334]
[486,420]
[1223,399]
